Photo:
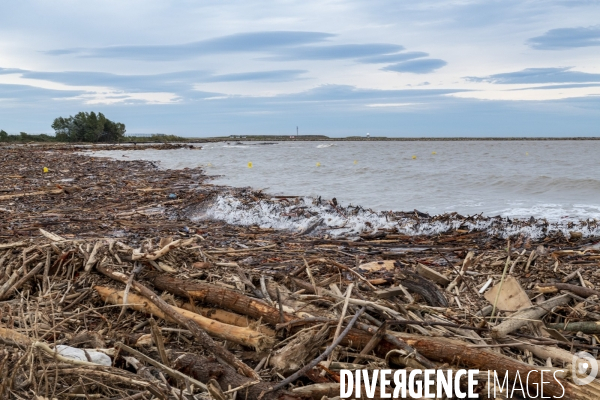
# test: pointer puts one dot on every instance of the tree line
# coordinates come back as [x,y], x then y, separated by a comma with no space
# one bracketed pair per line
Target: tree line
[83,127]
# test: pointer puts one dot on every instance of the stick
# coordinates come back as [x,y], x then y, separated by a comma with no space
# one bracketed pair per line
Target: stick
[524,316]
[342,316]
[22,281]
[373,342]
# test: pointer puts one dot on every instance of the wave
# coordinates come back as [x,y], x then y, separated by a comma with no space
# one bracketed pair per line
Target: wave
[310,215]
[323,146]
[538,185]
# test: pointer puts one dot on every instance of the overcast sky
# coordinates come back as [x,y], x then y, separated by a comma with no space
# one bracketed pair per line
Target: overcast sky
[390,68]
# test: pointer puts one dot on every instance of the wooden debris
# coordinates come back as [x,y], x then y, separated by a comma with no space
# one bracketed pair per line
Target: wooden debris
[245,312]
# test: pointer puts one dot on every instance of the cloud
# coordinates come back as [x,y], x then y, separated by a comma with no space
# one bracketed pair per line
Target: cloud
[174,82]
[423,66]
[567,38]
[335,52]
[240,42]
[5,71]
[351,93]
[565,86]
[24,93]
[283,75]
[539,75]
[393,58]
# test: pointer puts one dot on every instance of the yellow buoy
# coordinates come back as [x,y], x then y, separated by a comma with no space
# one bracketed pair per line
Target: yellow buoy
[250,165]
[414,157]
[434,152]
[526,154]
[355,162]
[318,164]
[45,169]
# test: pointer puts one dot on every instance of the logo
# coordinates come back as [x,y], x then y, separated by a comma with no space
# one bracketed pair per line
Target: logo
[584,368]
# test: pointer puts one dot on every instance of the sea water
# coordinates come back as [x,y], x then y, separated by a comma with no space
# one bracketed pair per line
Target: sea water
[547,179]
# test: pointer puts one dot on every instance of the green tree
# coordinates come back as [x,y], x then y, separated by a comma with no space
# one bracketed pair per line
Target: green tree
[88,127]
[3,136]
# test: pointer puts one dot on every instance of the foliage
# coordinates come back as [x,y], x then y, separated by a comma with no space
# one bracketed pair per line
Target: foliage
[155,138]
[88,127]
[25,137]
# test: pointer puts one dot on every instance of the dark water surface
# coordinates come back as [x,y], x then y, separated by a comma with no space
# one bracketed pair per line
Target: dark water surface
[556,180]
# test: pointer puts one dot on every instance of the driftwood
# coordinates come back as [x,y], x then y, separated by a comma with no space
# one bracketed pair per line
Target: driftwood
[556,287]
[219,297]
[589,327]
[524,316]
[236,334]
[204,369]
[187,323]
[227,317]
[129,216]
[416,283]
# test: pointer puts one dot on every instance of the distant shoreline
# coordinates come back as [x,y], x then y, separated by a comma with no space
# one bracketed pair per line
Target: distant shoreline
[376,139]
[306,138]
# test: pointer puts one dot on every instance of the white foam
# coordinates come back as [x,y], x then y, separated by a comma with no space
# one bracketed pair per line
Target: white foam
[352,221]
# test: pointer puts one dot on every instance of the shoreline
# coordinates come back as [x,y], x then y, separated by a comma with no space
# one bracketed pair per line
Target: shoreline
[284,138]
[246,206]
[75,240]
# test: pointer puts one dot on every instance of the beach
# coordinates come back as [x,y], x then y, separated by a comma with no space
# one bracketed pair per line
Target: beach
[79,234]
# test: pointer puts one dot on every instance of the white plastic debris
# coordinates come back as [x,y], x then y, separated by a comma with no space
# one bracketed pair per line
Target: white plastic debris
[95,357]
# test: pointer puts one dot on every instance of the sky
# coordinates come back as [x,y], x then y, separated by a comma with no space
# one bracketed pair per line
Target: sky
[435,68]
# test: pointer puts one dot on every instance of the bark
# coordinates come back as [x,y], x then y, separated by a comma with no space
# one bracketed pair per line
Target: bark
[219,297]
[555,287]
[455,352]
[589,327]
[433,348]
[228,317]
[526,315]
[203,338]
[236,334]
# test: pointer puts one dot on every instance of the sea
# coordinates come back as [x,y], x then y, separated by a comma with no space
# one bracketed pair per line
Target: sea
[557,181]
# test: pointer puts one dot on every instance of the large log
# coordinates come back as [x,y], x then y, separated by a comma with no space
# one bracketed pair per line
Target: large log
[433,348]
[236,334]
[200,334]
[219,297]
[456,352]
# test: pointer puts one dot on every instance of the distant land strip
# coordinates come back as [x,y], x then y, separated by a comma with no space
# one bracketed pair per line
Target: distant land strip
[312,138]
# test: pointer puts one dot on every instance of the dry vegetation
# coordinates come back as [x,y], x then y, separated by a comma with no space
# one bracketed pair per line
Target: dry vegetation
[247,313]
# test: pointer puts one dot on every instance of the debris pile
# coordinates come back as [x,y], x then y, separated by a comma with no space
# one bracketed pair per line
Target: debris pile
[101,300]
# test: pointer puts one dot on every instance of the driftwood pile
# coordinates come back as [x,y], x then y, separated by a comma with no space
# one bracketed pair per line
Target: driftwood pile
[101,300]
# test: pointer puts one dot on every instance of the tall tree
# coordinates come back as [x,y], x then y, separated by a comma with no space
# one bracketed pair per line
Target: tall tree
[88,127]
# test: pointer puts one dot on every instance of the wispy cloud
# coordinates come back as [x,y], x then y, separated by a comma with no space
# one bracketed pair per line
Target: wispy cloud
[335,52]
[566,38]
[538,75]
[351,93]
[393,58]
[181,82]
[282,75]
[240,42]
[565,86]
[24,94]
[420,66]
